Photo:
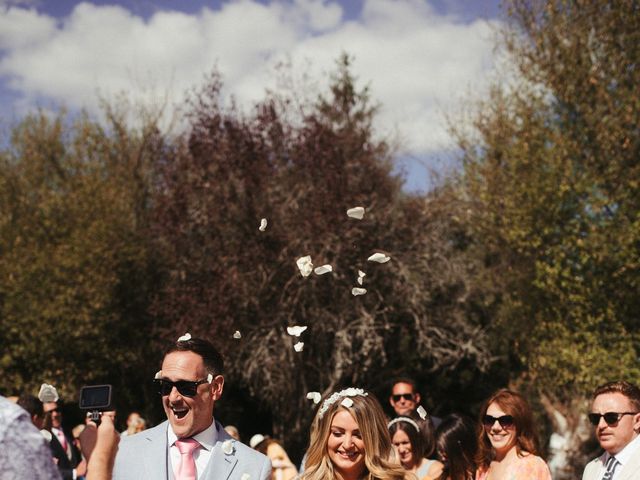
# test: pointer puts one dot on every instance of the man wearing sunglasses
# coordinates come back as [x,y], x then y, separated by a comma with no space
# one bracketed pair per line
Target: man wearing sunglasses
[615,414]
[191,444]
[405,398]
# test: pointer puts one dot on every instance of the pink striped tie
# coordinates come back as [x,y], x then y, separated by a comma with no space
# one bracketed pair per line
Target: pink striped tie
[187,465]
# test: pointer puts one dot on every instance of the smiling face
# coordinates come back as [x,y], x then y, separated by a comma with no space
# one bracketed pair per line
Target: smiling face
[613,438]
[402,446]
[502,438]
[189,416]
[345,446]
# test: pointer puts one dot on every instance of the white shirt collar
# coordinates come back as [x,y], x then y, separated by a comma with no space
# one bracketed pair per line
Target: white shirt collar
[207,438]
[624,455]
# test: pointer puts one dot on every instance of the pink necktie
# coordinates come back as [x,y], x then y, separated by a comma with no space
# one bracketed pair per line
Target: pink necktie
[187,465]
[62,439]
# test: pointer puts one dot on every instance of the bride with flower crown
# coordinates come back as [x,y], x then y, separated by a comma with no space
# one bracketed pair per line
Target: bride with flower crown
[350,441]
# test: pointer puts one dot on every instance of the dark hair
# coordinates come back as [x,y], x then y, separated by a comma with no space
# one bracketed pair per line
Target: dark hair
[627,389]
[213,361]
[31,404]
[456,439]
[416,439]
[513,404]
[407,380]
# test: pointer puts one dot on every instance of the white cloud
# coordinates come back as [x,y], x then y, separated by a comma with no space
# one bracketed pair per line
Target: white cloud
[417,62]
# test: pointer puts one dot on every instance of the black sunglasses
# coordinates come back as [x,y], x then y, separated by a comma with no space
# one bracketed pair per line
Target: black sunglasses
[611,418]
[406,396]
[504,421]
[185,388]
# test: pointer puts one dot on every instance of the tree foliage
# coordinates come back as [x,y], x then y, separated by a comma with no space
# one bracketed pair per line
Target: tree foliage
[554,182]
[75,268]
[302,169]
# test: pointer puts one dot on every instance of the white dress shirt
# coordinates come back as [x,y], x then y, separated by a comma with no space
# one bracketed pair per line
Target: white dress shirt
[207,440]
[624,456]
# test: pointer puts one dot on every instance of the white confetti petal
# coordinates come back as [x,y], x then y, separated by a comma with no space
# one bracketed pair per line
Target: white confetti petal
[355,291]
[347,402]
[263,225]
[296,330]
[185,337]
[48,393]
[379,257]
[158,374]
[315,396]
[356,212]
[245,476]
[227,447]
[422,412]
[298,346]
[361,276]
[323,269]
[209,378]
[237,334]
[305,266]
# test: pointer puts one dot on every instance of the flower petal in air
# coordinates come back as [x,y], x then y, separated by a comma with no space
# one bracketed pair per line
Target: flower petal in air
[323,269]
[379,257]
[361,276]
[48,393]
[347,402]
[298,346]
[263,225]
[315,396]
[355,291]
[158,374]
[422,412]
[185,337]
[305,266]
[237,335]
[356,212]
[296,330]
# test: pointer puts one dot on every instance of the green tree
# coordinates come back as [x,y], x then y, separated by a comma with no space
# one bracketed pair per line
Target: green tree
[301,165]
[75,267]
[552,174]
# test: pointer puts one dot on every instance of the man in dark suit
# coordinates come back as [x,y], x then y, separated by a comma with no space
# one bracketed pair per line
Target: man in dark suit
[191,443]
[65,453]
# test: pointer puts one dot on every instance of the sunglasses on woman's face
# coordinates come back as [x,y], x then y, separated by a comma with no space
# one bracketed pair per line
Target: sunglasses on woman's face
[611,418]
[504,421]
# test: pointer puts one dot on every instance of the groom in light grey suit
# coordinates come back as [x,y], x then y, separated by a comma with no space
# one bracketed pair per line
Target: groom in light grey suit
[190,382]
[615,413]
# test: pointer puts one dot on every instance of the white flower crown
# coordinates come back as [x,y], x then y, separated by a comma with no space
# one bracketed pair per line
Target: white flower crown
[404,419]
[347,392]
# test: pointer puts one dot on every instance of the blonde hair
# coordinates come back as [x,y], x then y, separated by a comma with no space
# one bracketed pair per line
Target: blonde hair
[379,456]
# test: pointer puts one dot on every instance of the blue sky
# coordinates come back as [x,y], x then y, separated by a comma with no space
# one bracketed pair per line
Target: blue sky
[422,58]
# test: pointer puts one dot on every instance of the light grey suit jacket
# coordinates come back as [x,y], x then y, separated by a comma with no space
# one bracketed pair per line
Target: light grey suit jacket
[595,469]
[144,456]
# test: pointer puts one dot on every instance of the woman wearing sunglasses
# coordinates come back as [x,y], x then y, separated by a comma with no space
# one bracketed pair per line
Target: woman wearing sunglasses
[507,441]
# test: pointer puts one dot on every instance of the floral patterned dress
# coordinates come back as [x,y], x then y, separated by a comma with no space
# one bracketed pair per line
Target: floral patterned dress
[529,467]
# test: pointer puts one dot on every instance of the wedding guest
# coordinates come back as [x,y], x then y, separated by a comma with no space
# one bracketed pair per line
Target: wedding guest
[350,441]
[412,448]
[457,445]
[282,466]
[508,445]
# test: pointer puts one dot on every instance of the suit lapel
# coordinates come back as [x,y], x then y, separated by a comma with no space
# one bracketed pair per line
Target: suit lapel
[631,471]
[221,464]
[155,458]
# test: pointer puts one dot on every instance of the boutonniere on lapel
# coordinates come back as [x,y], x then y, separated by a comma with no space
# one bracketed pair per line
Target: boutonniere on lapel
[245,476]
[227,447]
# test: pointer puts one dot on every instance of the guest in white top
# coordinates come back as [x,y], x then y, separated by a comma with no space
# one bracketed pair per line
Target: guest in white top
[615,414]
